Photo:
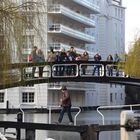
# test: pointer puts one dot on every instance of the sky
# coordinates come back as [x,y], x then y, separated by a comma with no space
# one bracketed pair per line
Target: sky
[132,21]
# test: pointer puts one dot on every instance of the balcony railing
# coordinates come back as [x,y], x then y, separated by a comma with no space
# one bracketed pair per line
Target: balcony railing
[26,50]
[71,14]
[72,86]
[88,5]
[57,47]
[59,28]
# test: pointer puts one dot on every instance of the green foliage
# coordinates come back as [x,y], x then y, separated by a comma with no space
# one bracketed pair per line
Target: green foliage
[132,65]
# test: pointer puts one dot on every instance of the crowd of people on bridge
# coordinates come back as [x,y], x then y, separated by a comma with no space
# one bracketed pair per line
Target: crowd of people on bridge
[69,56]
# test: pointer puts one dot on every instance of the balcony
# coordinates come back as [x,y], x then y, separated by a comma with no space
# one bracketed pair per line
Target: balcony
[88,5]
[60,9]
[26,50]
[67,31]
[72,86]
[58,46]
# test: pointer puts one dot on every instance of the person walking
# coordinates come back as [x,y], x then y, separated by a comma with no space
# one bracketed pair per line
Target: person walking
[65,105]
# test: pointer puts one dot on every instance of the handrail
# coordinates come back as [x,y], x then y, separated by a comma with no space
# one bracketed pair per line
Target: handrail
[23,114]
[107,74]
[60,8]
[2,137]
[89,5]
[22,111]
[64,65]
[116,106]
[50,108]
[75,117]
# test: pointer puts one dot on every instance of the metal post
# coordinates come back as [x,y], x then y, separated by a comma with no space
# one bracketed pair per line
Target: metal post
[30,134]
[89,134]
[75,117]
[50,115]
[7,107]
[19,119]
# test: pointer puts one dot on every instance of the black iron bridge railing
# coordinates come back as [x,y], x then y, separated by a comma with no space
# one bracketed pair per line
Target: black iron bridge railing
[20,74]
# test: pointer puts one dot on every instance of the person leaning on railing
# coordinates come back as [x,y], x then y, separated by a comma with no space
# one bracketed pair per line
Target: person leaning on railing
[117,60]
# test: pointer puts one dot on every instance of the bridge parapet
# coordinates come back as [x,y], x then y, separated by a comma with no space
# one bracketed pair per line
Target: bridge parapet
[19,74]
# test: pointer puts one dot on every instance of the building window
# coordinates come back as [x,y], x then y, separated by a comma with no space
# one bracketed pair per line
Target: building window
[1,97]
[116,12]
[28,97]
[121,96]
[111,97]
[115,96]
[121,13]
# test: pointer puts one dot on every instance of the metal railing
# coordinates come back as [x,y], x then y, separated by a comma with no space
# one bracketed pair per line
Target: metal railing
[22,111]
[116,106]
[56,107]
[2,137]
[58,45]
[71,32]
[50,110]
[89,5]
[57,8]
[80,71]
[71,70]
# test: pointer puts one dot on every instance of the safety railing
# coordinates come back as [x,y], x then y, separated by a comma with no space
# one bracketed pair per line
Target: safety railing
[53,28]
[2,137]
[65,70]
[111,107]
[80,71]
[89,5]
[91,70]
[57,8]
[41,71]
[57,107]
[50,110]
[22,110]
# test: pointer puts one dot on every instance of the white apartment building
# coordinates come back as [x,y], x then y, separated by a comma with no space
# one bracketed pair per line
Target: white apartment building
[92,25]
[110,39]
[61,24]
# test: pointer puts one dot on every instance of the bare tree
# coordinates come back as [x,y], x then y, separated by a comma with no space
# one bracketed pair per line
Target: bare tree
[15,19]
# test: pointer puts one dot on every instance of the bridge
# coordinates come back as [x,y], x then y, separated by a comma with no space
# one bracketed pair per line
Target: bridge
[22,74]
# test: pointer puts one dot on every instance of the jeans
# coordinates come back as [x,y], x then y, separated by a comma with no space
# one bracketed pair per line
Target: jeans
[98,70]
[63,110]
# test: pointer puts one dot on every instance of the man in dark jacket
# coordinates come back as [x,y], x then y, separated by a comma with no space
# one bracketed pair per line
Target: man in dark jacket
[97,58]
[65,104]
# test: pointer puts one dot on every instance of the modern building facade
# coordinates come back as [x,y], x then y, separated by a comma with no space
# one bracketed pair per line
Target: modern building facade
[91,25]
